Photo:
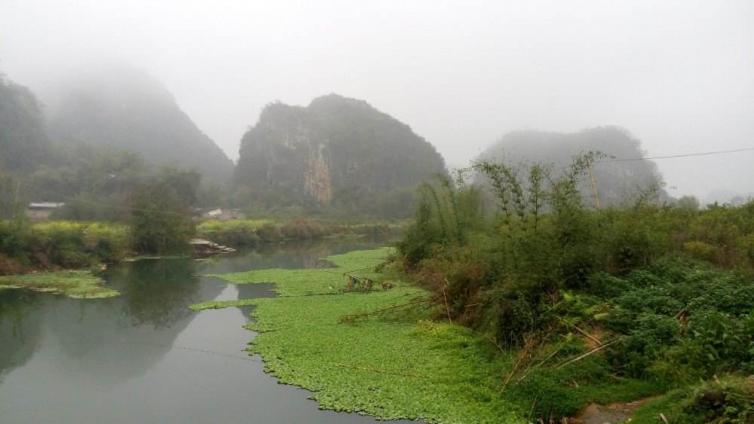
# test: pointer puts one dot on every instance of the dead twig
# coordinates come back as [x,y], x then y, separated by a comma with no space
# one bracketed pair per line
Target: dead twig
[591,352]
[542,362]
[365,315]
[583,332]
[523,357]
[444,295]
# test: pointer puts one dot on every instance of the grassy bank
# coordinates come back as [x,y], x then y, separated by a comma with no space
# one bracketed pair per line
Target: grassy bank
[379,352]
[74,284]
[52,245]
[253,232]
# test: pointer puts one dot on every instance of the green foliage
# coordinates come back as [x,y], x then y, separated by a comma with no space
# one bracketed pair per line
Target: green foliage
[683,322]
[563,392]
[253,232]
[74,284]
[236,233]
[66,244]
[392,366]
[302,282]
[161,215]
[725,400]
[539,265]
[12,200]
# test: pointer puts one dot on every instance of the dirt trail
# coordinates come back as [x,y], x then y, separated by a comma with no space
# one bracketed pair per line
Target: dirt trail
[614,413]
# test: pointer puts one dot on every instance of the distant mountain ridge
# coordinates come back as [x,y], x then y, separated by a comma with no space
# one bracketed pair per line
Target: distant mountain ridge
[616,181]
[336,152]
[126,109]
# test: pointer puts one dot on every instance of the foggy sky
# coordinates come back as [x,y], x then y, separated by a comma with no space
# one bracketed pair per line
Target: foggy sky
[678,74]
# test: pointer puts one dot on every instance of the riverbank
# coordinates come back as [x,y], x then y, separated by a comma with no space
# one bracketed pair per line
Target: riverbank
[256,232]
[379,352]
[73,284]
[395,364]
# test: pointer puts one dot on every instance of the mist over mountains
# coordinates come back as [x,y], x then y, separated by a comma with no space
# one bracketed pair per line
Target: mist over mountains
[23,138]
[126,109]
[616,181]
[336,154]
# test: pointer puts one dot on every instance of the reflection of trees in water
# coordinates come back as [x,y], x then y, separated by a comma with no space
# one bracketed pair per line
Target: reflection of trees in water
[20,328]
[157,292]
[113,340]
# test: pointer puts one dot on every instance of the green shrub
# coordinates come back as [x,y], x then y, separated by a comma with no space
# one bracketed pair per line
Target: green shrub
[728,399]
[235,233]
[63,244]
[701,250]
[270,233]
[671,288]
[302,229]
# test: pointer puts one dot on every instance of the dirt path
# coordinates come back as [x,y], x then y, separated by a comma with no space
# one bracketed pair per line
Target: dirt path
[613,413]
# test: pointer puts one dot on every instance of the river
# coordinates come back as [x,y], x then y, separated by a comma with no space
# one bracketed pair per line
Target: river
[144,357]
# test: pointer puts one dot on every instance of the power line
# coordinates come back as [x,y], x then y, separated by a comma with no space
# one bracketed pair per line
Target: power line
[681,155]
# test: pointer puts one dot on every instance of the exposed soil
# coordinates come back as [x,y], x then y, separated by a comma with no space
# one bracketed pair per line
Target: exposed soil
[613,413]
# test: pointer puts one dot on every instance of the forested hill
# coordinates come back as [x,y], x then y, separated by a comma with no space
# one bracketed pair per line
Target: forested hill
[616,181]
[23,141]
[337,153]
[126,109]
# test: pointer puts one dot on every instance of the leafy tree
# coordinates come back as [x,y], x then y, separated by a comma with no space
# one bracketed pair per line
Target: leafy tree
[161,213]
[11,200]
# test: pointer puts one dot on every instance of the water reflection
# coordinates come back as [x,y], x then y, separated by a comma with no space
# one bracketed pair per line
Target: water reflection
[144,356]
[19,328]
[156,292]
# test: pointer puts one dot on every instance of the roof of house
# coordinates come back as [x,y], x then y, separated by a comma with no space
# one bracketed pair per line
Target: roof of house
[46,205]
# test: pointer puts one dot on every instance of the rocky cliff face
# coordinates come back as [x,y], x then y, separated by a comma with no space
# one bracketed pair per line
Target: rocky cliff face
[337,152]
[126,109]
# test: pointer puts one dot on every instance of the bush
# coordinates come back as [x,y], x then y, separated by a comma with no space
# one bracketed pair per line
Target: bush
[302,229]
[235,233]
[725,400]
[63,244]
[541,265]
[701,250]
[270,233]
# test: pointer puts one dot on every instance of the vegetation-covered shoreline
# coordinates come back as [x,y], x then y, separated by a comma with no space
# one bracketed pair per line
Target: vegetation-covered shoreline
[395,365]
[73,284]
[659,293]
[255,232]
[380,352]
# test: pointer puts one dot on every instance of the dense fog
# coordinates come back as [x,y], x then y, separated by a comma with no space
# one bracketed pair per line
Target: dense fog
[678,75]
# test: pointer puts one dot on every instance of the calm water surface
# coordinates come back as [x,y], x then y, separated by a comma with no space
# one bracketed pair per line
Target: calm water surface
[144,357]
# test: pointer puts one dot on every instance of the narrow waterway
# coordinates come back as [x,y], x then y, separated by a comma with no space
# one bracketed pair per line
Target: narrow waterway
[144,357]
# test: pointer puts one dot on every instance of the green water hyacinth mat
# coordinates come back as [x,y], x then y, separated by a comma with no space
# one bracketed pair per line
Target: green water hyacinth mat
[74,284]
[372,352]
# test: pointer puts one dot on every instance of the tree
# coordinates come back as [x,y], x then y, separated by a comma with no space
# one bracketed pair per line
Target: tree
[161,213]
[11,203]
